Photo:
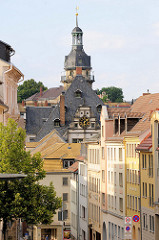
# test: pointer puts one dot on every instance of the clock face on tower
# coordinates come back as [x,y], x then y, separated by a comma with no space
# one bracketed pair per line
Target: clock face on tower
[84,122]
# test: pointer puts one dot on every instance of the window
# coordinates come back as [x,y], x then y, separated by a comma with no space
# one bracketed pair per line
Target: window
[145,190]
[120,154]
[108,177]
[78,94]
[83,212]
[132,202]
[57,123]
[65,181]
[103,198]
[112,180]
[83,235]
[65,214]
[99,108]
[65,197]
[102,131]
[145,226]
[92,125]
[127,175]
[150,165]
[103,152]
[115,202]
[115,178]
[114,154]
[128,201]
[67,163]
[151,195]
[120,179]
[103,175]
[135,203]
[76,125]
[151,223]
[121,204]
[77,140]
[144,161]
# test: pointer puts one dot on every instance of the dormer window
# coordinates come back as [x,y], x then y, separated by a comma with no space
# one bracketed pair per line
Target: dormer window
[78,93]
[57,122]
[99,108]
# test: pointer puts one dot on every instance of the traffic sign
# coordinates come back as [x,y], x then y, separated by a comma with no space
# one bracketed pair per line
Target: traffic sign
[136,218]
[128,220]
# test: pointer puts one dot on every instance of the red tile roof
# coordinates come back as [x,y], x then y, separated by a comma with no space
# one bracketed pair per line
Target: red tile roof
[146,143]
[73,167]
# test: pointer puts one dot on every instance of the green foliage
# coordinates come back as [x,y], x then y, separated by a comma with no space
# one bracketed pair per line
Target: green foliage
[25,198]
[28,88]
[105,98]
[114,94]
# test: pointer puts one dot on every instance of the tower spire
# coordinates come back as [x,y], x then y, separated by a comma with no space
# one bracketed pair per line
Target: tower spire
[77,8]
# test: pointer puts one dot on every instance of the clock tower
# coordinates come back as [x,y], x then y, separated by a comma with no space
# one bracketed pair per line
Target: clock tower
[77,58]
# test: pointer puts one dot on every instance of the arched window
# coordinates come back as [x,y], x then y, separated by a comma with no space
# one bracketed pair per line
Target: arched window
[99,108]
[57,122]
[78,93]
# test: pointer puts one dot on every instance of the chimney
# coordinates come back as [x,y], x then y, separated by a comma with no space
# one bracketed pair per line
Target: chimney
[78,70]
[41,91]
[46,103]
[62,109]
[23,103]
[35,103]
[146,93]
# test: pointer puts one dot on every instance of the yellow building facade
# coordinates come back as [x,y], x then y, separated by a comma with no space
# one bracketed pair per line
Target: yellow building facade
[132,180]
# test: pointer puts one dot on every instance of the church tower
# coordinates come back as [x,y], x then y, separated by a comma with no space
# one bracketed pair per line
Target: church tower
[77,62]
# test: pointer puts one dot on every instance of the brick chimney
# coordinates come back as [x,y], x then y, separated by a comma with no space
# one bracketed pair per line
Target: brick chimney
[23,103]
[146,93]
[46,103]
[41,91]
[78,70]
[62,109]
[35,103]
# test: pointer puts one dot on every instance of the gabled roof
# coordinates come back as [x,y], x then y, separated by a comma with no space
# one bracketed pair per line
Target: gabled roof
[49,140]
[62,151]
[146,144]
[72,103]
[49,94]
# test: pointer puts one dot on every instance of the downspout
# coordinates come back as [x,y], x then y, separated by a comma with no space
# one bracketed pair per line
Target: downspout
[10,69]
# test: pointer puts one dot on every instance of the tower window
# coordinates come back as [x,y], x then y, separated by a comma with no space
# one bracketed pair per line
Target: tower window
[99,108]
[78,94]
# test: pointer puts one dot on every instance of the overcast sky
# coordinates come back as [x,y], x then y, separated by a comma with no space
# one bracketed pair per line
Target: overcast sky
[121,36]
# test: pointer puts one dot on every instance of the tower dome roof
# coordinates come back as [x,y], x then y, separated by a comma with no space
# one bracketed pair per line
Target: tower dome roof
[77,30]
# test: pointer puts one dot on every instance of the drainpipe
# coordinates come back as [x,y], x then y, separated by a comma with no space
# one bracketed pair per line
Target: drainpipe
[3,78]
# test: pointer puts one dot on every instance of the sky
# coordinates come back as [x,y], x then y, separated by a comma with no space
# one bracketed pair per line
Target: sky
[121,36]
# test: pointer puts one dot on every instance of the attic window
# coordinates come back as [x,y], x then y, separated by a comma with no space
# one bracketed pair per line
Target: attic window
[57,123]
[99,108]
[78,93]
[45,119]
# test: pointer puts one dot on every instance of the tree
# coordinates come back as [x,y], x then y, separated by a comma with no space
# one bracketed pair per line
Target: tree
[25,199]
[114,94]
[28,88]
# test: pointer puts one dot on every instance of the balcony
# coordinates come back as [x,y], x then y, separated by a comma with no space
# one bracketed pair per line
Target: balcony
[69,78]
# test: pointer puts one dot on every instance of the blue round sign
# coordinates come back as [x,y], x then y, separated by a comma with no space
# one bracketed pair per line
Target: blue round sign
[128,228]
